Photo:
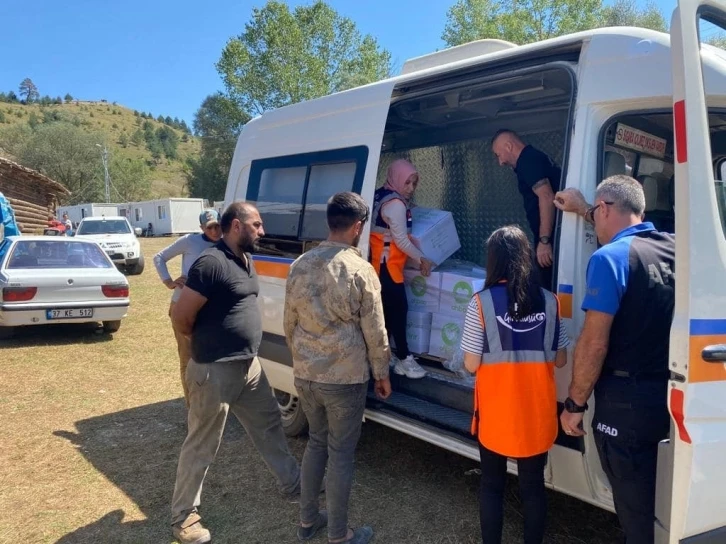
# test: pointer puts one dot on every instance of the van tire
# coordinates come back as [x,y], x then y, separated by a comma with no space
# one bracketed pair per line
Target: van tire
[111,326]
[294,422]
[138,268]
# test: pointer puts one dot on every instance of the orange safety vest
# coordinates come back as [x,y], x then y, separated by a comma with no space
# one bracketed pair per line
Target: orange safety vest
[383,248]
[515,396]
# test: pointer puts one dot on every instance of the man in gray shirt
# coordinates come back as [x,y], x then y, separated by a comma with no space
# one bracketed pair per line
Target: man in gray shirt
[218,310]
[189,247]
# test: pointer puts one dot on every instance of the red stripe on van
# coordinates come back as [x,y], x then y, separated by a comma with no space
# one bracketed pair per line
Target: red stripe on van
[677,400]
[679,122]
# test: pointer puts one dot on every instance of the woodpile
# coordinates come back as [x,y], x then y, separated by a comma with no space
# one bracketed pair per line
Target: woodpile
[32,195]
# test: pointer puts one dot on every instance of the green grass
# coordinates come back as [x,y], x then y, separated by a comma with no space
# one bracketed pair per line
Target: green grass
[93,424]
[167,177]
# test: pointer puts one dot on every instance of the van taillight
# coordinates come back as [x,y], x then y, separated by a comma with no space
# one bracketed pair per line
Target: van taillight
[115,291]
[18,294]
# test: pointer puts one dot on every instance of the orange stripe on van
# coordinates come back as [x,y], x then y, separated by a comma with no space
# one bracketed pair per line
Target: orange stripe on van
[565,304]
[699,371]
[271,268]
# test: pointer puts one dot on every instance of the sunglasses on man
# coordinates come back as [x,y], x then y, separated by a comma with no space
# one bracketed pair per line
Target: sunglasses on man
[590,213]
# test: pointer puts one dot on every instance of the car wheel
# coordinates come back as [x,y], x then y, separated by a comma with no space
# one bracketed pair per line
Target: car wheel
[138,268]
[6,332]
[111,326]
[294,421]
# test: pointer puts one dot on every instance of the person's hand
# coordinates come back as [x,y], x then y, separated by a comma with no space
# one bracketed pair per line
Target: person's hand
[426,266]
[572,423]
[181,281]
[571,200]
[544,255]
[170,284]
[383,388]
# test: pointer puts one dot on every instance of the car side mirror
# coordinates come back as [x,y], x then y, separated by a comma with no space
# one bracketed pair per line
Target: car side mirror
[137,231]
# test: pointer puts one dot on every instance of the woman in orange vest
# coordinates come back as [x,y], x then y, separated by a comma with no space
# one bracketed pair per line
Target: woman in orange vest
[512,340]
[391,246]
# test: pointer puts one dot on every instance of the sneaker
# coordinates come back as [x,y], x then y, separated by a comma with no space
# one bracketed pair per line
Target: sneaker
[306,533]
[361,535]
[191,531]
[409,368]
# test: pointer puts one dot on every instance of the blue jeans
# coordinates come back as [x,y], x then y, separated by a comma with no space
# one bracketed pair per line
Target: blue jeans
[335,417]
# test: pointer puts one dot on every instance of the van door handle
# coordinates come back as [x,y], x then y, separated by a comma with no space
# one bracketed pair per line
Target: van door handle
[714,354]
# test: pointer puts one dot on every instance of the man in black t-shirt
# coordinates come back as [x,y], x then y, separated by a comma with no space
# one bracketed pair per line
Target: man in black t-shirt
[218,309]
[538,178]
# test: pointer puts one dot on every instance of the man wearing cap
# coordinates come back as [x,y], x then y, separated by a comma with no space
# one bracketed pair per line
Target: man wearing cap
[189,247]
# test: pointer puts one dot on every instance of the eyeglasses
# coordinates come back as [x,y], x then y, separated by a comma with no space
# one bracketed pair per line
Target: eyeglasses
[364,219]
[590,213]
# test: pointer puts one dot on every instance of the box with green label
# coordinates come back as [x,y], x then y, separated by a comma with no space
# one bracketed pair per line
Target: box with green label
[418,332]
[422,293]
[456,291]
[446,333]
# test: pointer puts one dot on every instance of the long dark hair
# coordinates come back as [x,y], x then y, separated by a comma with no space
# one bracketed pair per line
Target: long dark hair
[510,259]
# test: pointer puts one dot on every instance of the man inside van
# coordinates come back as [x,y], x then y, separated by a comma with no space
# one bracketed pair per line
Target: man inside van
[537,179]
[335,328]
[218,309]
[622,351]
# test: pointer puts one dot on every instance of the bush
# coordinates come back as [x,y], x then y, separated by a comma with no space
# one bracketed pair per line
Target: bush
[2,117]
[114,125]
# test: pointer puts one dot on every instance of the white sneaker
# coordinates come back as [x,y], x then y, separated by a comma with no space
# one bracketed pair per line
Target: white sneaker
[409,368]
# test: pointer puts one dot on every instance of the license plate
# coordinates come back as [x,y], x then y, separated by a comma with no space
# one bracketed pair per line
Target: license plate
[73,313]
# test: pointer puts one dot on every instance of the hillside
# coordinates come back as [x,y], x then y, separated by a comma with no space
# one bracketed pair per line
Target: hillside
[167,176]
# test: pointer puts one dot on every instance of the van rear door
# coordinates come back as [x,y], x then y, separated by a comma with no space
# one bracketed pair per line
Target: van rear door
[697,389]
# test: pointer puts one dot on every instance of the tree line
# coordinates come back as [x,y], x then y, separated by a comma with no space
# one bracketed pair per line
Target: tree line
[286,55]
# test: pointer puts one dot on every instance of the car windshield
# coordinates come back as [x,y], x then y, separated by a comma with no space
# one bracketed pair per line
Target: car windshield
[110,226]
[57,254]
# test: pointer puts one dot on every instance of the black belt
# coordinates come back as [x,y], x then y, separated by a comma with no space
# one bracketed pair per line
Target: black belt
[640,376]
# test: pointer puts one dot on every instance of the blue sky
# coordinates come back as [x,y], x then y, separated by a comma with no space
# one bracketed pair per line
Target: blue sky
[159,55]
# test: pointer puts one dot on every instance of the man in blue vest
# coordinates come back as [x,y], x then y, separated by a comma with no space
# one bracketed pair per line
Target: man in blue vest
[622,351]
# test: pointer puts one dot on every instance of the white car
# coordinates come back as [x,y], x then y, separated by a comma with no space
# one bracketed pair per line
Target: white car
[48,279]
[117,239]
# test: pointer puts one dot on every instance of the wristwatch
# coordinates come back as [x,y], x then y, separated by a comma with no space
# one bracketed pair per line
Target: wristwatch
[544,240]
[574,408]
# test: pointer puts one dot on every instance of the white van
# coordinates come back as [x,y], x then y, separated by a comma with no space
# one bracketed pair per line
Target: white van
[607,101]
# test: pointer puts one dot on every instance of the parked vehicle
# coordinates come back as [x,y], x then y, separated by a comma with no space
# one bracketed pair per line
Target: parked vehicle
[117,239]
[600,102]
[49,279]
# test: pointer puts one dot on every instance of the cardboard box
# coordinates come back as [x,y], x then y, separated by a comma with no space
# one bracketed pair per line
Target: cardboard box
[418,332]
[422,293]
[446,333]
[457,290]
[434,232]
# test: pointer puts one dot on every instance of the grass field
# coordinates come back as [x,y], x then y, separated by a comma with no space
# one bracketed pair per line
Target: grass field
[93,424]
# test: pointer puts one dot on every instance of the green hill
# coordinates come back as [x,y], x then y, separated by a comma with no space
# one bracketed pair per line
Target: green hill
[118,124]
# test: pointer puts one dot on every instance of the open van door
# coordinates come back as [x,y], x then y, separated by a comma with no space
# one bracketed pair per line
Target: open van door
[697,389]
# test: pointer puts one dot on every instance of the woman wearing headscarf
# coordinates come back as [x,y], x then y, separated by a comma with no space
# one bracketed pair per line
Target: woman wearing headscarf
[391,246]
[512,340]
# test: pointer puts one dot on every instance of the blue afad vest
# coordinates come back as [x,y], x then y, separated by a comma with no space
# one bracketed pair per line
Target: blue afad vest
[8,225]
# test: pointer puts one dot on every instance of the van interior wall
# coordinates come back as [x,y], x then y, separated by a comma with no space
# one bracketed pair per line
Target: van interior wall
[466,179]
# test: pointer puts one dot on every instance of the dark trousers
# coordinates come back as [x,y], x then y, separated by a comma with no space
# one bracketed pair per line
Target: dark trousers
[545,277]
[335,415]
[631,418]
[395,311]
[531,490]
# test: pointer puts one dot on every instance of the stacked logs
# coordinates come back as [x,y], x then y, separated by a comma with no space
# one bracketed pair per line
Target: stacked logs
[31,218]
[32,195]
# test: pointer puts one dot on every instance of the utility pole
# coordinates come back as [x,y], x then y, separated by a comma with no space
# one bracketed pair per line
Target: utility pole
[106,178]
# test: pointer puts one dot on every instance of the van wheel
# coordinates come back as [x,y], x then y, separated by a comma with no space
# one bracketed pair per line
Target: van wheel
[111,326]
[294,421]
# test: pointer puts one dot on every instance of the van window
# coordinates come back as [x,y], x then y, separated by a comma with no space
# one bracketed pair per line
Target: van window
[325,181]
[291,193]
[280,199]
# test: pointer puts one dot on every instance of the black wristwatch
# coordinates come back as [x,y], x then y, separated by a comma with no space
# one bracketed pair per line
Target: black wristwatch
[544,240]
[574,408]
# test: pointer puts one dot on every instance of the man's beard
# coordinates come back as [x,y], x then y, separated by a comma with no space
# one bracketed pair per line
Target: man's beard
[246,245]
